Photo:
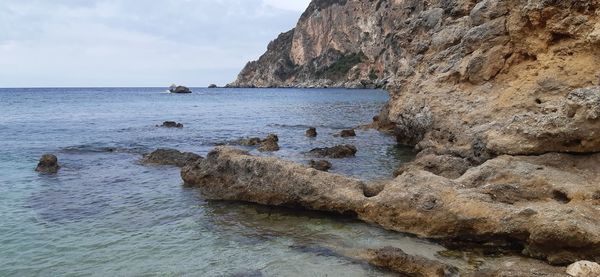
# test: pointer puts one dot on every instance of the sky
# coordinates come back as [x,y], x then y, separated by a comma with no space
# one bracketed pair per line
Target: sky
[136,43]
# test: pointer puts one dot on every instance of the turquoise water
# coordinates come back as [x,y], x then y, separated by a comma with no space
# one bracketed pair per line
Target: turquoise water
[104,214]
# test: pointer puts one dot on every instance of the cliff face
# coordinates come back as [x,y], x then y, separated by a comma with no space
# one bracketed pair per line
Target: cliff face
[469,78]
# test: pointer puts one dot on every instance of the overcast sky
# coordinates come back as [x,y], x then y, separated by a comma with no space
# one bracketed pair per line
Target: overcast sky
[136,42]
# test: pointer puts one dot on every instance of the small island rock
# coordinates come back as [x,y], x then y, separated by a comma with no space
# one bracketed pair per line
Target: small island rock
[171,124]
[48,164]
[311,132]
[179,89]
[347,133]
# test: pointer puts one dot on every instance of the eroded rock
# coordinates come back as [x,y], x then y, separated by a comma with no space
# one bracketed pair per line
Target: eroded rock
[432,206]
[48,164]
[311,132]
[398,261]
[584,269]
[347,133]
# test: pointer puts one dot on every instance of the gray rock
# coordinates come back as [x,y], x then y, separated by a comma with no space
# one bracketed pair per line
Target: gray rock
[170,157]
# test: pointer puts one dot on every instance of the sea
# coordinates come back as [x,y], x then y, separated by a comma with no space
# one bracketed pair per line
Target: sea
[105,214]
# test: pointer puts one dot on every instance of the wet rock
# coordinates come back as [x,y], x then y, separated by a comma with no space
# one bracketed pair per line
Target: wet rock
[48,164]
[584,269]
[311,132]
[322,165]
[179,89]
[212,86]
[336,152]
[347,133]
[170,157]
[171,124]
[249,141]
[395,259]
[268,146]
[431,206]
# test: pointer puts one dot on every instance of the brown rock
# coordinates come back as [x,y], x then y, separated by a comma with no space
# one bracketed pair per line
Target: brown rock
[311,132]
[395,259]
[347,133]
[336,152]
[48,164]
[556,222]
[322,165]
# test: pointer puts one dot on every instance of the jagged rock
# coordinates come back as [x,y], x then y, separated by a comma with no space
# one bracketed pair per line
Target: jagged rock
[311,132]
[179,89]
[171,124]
[48,164]
[321,165]
[268,144]
[395,259]
[170,157]
[336,152]
[249,141]
[584,269]
[544,213]
[347,133]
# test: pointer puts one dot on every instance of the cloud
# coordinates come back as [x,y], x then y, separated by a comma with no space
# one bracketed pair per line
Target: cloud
[135,42]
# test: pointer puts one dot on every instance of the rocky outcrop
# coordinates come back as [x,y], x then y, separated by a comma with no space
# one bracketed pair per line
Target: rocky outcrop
[524,203]
[179,89]
[48,164]
[170,157]
[347,133]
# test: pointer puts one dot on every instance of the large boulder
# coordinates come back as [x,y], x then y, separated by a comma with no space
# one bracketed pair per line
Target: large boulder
[48,164]
[170,157]
[525,203]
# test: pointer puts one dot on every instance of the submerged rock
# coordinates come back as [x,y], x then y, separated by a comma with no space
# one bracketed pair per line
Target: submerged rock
[48,164]
[347,133]
[547,216]
[336,152]
[311,132]
[170,157]
[171,124]
[322,165]
[584,269]
[395,259]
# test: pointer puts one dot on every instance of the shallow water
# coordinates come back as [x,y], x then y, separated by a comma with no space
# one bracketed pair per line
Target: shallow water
[105,214]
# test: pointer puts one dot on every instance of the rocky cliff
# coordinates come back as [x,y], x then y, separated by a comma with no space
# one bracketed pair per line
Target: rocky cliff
[502,97]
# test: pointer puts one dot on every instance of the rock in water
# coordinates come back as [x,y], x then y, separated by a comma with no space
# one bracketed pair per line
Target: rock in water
[553,221]
[179,89]
[170,157]
[269,144]
[311,132]
[336,152]
[322,165]
[347,133]
[48,164]
[171,124]
[584,269]
[398,261]
[212,86]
